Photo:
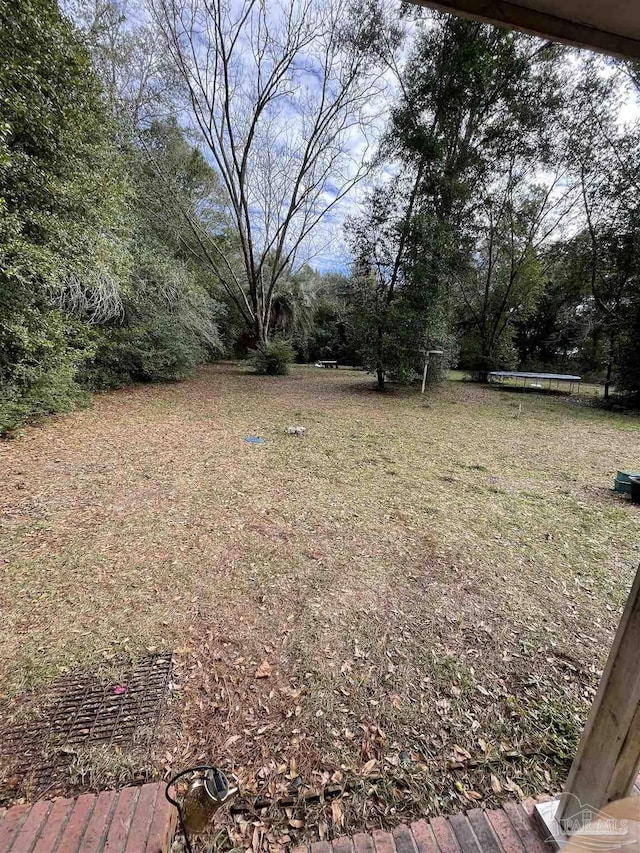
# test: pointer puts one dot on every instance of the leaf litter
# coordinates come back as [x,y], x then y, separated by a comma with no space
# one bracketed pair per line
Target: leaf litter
[405,614]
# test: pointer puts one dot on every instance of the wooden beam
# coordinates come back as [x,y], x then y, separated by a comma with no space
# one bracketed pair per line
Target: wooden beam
[424,372]
[540,23]
[608,756]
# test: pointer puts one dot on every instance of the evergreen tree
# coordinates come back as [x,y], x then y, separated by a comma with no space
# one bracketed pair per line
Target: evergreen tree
[473,98]
[62,210]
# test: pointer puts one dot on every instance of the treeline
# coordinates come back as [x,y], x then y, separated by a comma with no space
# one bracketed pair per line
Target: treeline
[98,286]
[134,246]
[502,221]
[509,234]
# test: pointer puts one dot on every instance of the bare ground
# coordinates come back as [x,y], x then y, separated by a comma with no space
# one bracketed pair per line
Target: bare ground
[409,607]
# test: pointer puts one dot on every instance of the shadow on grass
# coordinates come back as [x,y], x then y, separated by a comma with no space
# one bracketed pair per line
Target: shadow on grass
[519,389]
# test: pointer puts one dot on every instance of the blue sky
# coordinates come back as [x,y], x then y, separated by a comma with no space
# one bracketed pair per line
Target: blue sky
[327,248]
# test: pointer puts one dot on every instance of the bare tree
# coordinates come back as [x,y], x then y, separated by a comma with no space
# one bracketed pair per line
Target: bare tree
[284,101]
[129,56]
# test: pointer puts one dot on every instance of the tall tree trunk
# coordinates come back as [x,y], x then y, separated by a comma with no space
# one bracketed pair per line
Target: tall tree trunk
[261,329]
[486,362]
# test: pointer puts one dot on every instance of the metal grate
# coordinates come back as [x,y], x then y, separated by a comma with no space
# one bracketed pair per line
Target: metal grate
[41,736]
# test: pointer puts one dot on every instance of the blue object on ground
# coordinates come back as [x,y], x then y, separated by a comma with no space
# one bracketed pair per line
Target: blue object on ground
[254,439]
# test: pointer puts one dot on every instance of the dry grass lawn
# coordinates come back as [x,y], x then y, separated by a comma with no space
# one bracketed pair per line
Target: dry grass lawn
[428,585]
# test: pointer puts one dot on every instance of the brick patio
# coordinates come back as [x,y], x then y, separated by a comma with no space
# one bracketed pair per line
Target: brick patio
[140,820]
[133,820]
[506,830]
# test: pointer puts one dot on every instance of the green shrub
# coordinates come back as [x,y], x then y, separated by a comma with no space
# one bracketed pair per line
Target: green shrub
[158,352]
[273,358]
[41,354]
[61,194]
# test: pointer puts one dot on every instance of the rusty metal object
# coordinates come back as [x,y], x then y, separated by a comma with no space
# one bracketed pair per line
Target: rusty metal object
[205,795]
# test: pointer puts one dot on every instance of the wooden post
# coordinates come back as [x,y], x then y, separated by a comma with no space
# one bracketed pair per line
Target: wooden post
[608,756]
[424,372]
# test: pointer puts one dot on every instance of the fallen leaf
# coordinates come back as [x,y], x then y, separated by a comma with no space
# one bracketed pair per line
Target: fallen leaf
[337,813]
[510,785]
[473,795]
[296,823]
[461,751]
[264,670]
[496,787]
[368,767]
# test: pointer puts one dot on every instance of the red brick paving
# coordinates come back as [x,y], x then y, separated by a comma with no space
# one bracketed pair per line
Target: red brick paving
[443,835]
[343,845]
[487,839]
[11,820]
[30,828]
[505,832]
[135,820]
[521,822]
[383,842]
[465,836]
[404,839]
[363,843]
[139,831]
[58,817]
[76,825]
[423,837]
[140,820]
[475,831]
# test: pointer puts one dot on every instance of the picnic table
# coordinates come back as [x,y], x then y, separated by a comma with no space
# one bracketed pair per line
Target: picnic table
[327,362]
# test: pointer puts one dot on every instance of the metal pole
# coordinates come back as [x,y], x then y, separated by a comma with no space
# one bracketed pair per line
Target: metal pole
[424,373]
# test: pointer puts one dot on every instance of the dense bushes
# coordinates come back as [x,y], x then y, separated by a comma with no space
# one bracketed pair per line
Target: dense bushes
[147,348]
[60,204]
[273,358]
[94,289]
[41,352]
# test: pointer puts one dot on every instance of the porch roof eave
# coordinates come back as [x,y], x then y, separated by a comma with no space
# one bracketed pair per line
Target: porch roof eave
[611,27]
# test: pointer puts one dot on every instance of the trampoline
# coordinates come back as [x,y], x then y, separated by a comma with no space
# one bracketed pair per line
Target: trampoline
[536,380]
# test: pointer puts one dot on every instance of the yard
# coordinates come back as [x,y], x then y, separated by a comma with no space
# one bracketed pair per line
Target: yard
[411,604]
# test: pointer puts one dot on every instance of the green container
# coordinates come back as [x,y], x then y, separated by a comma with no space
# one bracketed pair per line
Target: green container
[622,482]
